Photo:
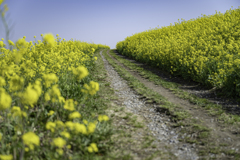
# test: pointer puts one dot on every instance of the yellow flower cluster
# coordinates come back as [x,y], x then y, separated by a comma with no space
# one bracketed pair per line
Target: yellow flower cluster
[2,82]
[51,112]
[54,95]
[93,148]
[69,105]
[30,76]
[103,118]
[16,112]
[49,79]
[31,94]
[5,8]
[60,143]
[6,157]
[30,139]
[86,128]
[16,83]
[81,72]
[49,38]
[74,115]
[33,78]
[80,128]
[204,49]
[51,126]
[21,43]
[5,99]
[91,127]
[91,89]
[65,134]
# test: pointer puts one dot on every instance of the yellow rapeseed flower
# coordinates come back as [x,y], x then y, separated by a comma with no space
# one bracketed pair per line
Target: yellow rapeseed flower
[70,125]
[59,124]
[1,44]
[1,1]
[42,68]
[29,96]
[47,97]
[2,81]
[5,99]
[85,121]
[31,139]
[16,112]
[11,43]
[26,149]
[81,72]
[49,79]
[80,128]
[59,142]
[65,134]
[91,127]
[54,92]
[90,149]
[51,112]
[69,105]
[91,89]
[21,43]
[51,126]
[93,148]
[16,83]
[61,99]
[103,118]
[6,157]
[37,87]
[74,115]
[50,39]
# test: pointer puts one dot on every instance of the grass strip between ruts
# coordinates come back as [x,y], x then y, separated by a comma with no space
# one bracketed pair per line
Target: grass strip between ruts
[183,118]
[211,108]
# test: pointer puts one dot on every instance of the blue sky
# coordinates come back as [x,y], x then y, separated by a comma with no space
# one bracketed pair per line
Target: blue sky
[101,21]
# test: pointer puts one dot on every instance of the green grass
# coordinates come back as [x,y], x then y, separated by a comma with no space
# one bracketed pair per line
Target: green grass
[182,118]
[211,108]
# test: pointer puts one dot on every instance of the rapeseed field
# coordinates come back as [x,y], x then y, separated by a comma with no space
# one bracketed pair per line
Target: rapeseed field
[205,50]
[43,85]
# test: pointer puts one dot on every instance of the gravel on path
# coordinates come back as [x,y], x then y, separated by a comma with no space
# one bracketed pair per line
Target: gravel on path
[156,122]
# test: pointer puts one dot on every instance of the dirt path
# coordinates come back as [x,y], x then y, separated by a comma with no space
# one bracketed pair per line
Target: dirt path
[218,136]
[150,134]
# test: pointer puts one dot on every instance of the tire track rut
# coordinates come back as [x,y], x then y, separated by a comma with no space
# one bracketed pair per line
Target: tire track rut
[165,136]
[218,133]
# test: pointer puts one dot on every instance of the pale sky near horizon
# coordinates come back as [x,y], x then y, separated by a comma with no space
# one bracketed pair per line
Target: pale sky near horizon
[101,21]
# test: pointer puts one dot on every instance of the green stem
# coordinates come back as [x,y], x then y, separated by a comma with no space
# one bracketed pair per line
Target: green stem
[7,29]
